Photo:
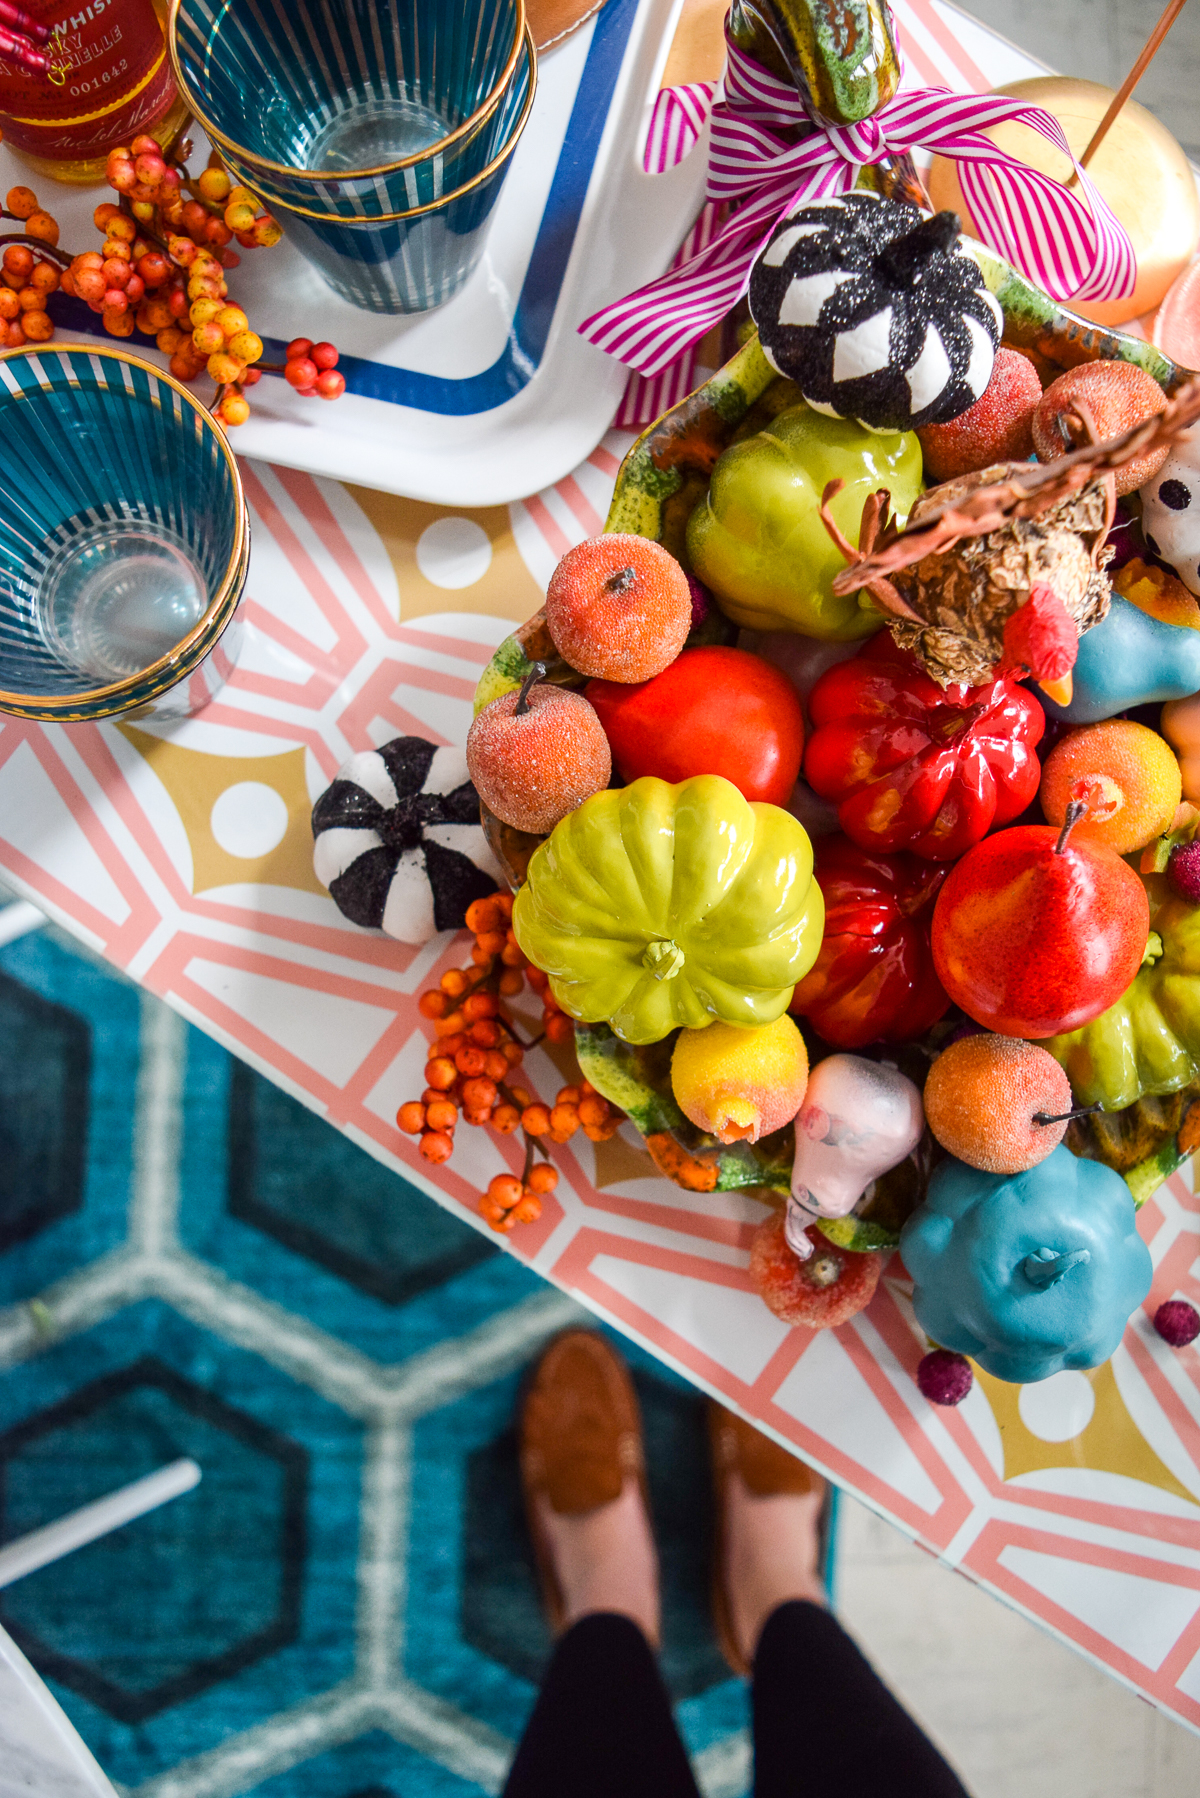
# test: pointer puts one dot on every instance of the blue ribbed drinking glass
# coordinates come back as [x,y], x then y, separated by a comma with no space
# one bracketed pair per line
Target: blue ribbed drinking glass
[364,108]
[124,538]
[413,260]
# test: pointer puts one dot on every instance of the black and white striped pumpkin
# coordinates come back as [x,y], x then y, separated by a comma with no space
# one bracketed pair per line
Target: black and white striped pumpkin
[399,843]
[875,312]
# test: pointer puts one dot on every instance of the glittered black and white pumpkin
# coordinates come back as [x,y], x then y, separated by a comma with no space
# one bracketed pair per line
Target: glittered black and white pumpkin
[1171,511]
[875,312]
[399,843]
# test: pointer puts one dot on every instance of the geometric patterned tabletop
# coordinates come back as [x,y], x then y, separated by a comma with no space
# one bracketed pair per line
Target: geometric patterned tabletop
[183,855]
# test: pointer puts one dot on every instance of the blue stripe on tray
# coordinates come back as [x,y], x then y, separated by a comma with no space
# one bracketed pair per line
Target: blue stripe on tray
[526,344]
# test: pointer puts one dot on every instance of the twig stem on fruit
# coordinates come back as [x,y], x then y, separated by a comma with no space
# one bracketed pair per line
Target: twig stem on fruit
[1076,810]
[1066,1117]
[537,672]
[37,244]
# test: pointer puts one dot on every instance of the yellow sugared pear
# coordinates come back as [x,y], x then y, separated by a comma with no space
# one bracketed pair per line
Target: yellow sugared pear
[737,1083]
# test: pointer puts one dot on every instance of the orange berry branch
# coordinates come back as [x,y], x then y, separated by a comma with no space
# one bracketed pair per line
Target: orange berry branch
[161,270]
[474,1059]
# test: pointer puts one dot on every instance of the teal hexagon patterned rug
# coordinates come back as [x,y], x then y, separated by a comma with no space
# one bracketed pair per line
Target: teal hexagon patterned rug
[193,1264]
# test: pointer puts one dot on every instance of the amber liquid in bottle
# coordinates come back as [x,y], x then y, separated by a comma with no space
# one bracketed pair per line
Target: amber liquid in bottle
[110,79]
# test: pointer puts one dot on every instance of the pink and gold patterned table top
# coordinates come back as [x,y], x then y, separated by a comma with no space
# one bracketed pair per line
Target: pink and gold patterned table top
[183,855]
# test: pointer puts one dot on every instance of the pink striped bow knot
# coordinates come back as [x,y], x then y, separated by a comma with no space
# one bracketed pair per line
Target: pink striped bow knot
[1067,240]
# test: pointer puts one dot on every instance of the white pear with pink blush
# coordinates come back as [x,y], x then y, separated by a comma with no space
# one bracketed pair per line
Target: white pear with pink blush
[858,1120]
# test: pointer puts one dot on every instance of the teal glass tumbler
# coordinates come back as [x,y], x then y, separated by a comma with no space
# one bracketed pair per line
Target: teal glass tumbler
[412,260]
[124,538]
[363,108]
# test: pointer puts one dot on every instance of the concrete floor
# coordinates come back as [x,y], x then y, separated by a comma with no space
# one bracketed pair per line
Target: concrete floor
[1099,40]
[1018,1714]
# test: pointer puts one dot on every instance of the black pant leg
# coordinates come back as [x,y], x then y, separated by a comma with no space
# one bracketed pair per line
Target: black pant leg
[826,1726]
[602,1726]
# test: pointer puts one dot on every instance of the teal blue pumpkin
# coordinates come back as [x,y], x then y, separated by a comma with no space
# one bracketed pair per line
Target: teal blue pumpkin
[1129,659]
[1027,1273]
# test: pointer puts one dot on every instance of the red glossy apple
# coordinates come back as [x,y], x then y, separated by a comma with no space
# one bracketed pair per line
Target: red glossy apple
[1037,931]
[713,711]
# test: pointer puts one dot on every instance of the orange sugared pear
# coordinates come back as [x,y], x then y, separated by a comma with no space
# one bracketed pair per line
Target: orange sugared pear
[1127,776]
[997,1102]
[740,1084]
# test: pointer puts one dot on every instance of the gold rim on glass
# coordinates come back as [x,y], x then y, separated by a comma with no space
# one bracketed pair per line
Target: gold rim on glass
[278,206]
[223,603]
[482,112]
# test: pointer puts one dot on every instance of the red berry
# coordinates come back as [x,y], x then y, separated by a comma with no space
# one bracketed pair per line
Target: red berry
[330,384]
[1177,1322]
[1183,871]
[150,167]
[135,290]
[90,284]
[324,355]
[506,1190]
[299,346]
[944,1378]
[154,268]
[144,145]
[300,372]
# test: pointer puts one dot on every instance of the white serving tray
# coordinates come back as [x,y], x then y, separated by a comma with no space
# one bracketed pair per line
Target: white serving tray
[495,395]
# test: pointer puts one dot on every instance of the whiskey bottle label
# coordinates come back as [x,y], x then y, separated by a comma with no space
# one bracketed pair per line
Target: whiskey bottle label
[110,77]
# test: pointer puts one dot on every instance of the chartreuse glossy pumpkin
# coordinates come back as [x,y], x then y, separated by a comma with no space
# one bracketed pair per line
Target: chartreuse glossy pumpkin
[657,906]
[1149,1041]
[1027,1273]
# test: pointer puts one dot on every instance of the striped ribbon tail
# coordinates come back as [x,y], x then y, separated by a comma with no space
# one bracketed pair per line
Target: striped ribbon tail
[679,116]
[647,397]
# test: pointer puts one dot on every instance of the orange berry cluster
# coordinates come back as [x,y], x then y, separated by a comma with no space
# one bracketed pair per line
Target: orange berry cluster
[469,1066]
[29,273]
[474,1057]
[509,1201]
[161,270]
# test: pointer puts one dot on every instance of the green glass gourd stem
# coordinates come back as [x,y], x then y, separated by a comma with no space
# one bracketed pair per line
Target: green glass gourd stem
[840,54]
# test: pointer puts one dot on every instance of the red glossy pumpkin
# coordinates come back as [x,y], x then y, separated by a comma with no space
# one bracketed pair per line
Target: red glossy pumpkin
[873,980]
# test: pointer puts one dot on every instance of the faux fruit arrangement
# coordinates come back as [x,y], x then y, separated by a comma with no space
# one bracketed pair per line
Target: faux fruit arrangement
[856,860]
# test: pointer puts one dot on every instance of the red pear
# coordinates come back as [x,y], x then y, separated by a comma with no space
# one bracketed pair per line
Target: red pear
[1037,932]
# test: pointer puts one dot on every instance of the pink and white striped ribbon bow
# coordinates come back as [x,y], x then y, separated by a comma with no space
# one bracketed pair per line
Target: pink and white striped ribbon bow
[1068,241]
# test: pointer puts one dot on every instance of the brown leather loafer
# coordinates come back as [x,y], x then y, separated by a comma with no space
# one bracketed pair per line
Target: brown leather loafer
[580,1439]
[767,1470]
